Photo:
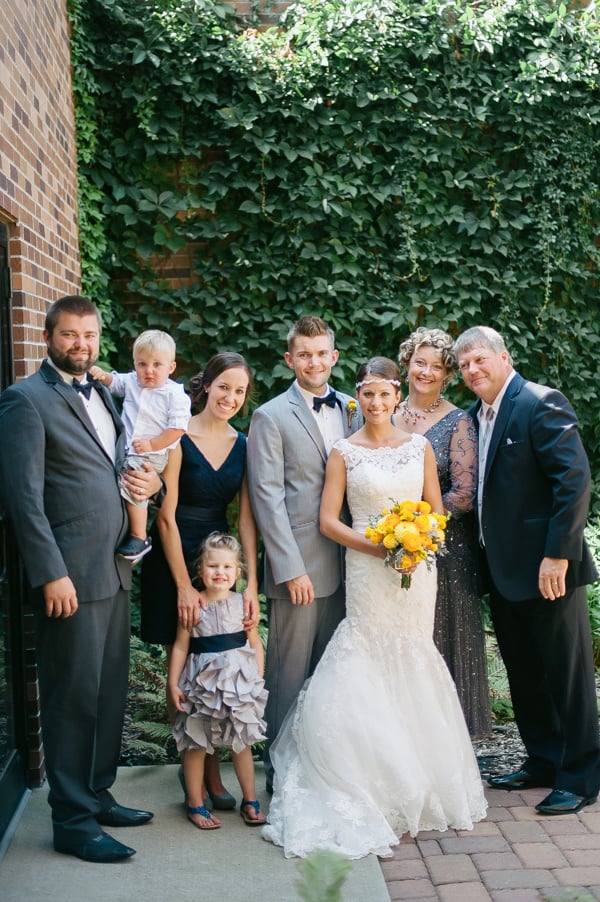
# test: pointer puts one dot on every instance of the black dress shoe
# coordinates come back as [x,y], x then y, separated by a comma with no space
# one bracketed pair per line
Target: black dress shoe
[101,849]
[562,802]
[520,779]
[119,816]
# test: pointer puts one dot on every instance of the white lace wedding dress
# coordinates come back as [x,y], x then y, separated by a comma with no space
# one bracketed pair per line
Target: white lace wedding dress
[376,745]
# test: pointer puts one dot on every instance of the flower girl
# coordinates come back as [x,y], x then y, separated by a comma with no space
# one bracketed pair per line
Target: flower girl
[215,684]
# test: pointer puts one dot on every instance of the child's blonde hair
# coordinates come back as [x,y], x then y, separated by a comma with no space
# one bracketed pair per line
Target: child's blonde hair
[155,340]
[219,541]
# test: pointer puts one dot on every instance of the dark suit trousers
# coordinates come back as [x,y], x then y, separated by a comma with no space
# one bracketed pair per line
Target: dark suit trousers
[83,666]
[547,651]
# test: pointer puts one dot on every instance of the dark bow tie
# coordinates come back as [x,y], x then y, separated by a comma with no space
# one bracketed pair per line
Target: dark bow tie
[330,400]
[84,387]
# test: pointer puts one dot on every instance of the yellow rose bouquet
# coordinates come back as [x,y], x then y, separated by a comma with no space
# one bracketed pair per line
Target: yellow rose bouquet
[410,533]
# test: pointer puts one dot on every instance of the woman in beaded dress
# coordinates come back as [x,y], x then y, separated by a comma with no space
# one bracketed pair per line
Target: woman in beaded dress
[376,745]
[429,362]
[204,475]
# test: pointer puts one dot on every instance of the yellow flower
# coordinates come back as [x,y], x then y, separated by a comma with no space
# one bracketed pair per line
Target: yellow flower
[407,509]
[390,542]
[424,507]
[412,543]
[373,535]
[423,522]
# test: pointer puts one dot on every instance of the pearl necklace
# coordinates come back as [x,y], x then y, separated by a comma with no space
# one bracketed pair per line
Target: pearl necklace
[411,416]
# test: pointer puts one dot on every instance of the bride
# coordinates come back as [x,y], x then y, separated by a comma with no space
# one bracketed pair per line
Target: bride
[376,745]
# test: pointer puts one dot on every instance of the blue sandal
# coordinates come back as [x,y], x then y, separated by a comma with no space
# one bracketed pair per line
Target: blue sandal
[207,802]
[258,821]
[203,812]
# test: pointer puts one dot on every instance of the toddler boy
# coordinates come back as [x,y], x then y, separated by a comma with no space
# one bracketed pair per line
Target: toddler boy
[156,411]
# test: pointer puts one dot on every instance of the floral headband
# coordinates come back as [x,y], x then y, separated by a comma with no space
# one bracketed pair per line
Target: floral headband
[395,382]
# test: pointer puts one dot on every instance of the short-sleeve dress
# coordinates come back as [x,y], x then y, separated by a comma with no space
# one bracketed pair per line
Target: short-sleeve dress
[204,496]
[225,695]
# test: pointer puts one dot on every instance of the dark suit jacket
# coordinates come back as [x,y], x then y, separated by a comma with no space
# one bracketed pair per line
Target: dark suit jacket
[59,487]
[536,491]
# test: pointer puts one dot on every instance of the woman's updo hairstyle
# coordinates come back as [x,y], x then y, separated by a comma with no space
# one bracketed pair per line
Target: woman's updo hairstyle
[226,360]
[430,338]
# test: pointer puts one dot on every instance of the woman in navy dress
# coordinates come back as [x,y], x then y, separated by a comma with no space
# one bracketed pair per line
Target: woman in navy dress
[205,473]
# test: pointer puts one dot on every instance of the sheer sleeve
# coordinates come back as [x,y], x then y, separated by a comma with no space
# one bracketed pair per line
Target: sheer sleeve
[462,467]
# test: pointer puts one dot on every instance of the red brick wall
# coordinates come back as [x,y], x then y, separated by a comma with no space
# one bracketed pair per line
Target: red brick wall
[38,203]
[38,181]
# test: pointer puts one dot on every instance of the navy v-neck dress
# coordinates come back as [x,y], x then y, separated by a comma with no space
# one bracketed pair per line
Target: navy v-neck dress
[204,496]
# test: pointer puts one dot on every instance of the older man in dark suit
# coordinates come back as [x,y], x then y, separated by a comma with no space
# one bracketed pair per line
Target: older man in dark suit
[533,497]
[61,444]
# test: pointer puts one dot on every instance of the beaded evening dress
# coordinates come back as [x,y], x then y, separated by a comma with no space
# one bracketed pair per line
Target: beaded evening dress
[458,629]
[376,745]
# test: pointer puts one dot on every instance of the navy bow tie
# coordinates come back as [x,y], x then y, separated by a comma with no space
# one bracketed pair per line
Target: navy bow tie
[84,387]
[330,400]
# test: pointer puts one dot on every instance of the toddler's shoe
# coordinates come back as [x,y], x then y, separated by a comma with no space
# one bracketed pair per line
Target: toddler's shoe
[134,549]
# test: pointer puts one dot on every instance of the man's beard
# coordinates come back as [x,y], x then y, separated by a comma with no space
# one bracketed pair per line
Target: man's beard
[65,363]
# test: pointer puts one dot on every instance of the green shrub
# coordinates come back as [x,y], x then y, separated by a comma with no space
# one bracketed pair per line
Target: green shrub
[593,592]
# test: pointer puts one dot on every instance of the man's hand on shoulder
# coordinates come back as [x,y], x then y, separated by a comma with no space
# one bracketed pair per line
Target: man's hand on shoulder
[60,597]
[301,589]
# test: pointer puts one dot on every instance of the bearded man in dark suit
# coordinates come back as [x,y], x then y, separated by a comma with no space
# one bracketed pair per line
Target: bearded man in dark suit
[61,445]
[532,504]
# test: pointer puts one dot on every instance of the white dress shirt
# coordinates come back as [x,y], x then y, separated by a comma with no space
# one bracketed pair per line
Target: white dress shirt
[329,419]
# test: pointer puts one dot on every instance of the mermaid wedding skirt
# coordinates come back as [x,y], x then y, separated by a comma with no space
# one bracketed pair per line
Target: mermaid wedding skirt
[376,745]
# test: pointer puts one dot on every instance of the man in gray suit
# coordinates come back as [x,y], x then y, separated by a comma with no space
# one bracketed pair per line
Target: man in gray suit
[61,445]
[288,443]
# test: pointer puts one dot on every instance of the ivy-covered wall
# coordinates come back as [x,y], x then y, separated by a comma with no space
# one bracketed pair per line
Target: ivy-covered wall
[385,165]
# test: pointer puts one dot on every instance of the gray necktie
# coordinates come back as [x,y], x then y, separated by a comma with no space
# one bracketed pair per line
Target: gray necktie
[486,431]
[486,428]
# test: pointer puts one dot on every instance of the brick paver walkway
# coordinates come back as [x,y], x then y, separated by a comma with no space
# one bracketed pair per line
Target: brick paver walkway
[515,855]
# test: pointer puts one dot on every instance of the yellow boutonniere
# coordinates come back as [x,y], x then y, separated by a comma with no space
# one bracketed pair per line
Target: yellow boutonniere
[351,408]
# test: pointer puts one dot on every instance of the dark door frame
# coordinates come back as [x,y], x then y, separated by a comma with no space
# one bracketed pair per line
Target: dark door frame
[13,764]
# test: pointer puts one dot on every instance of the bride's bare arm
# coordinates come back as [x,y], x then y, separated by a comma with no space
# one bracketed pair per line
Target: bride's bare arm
[431,484]
[332,501]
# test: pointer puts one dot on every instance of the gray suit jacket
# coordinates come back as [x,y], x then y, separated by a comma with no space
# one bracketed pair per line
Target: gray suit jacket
[59,487]
[286,470]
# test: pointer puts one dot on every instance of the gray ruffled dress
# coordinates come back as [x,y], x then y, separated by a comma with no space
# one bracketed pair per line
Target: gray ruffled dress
[225,695]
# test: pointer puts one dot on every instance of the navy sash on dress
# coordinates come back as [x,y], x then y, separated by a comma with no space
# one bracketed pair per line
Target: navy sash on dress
[221,642]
